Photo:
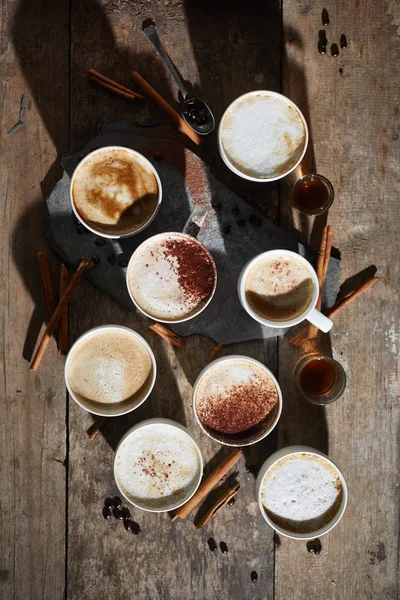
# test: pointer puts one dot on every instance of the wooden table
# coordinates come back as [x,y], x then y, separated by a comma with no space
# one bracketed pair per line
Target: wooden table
[54,541]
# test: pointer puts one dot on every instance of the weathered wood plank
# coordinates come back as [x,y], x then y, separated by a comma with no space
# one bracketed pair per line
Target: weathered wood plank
[169,561]
[353,116]
[34,53]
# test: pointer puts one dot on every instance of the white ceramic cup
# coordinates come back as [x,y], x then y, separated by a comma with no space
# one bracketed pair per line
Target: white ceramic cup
[139,157]
[291,450]
[117,409]
[258,432]
[225,157]
[132,295]
[196,446]
[311,313]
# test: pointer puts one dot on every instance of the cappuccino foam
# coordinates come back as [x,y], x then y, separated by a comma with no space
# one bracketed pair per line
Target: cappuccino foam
[235,395]
[301,492]
[157,466]
[171,276]
[279,287]
[109,367]
[263,135]
[114,191]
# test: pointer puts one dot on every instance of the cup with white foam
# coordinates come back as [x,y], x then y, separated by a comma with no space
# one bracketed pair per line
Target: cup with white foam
[236,400]
[280,288]
[158,465]
[110,370]
[171,277]
[115,192]
[262,136]
[301,493]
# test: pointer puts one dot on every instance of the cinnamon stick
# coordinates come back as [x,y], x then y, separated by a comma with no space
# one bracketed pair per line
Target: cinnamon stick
[63,327]
[85,264]
[208,484]
[214,352]
[112,85]
[166,334]
[301,337]
[46,282]
[218,504]
[167,108]
[96,428]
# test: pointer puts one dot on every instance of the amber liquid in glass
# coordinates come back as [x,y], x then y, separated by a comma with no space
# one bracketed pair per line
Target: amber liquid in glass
[310,196]
[318,377]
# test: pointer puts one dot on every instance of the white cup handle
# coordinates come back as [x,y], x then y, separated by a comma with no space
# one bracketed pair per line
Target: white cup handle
[319,320]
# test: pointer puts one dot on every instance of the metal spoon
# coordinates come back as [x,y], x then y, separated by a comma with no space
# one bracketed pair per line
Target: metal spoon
[195,112]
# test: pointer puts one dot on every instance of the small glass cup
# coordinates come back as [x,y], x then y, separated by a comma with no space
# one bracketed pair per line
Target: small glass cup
[312,194]
[320,379]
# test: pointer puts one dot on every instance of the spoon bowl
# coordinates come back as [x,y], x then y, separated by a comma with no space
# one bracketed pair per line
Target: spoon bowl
[198,115]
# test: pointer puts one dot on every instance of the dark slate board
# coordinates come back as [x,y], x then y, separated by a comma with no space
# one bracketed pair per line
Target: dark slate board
[185,185]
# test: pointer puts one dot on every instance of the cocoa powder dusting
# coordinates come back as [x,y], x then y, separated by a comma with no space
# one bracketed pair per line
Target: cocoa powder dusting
[243,406]
[195,271]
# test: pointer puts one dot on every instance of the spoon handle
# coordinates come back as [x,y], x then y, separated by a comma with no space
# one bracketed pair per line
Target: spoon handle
[151,33]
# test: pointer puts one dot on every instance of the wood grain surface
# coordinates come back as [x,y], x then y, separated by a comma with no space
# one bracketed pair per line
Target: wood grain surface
[54,542]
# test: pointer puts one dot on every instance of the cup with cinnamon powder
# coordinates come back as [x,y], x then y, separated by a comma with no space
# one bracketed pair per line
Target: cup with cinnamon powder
[237,401]
[171,277]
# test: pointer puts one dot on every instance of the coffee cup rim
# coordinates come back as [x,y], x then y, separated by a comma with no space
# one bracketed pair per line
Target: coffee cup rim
[290,451]
[114,236]
[161,421]
[231,357]
[91,333]
[267,322]
[225,157]
[150,316]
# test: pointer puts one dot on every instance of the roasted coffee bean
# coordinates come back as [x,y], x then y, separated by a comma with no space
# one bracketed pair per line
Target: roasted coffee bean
[314,546]
[343,42]
[231,502]
[236,210]
[108,502]
[96,260]
[325,17]
[100,242]
[117,512]
[117,502]
[254,576]
[128,524]
[106,512]
[334,50]
[241,222]
[224,547]
[135,528]
[211,544]
[226,229]
[125,512]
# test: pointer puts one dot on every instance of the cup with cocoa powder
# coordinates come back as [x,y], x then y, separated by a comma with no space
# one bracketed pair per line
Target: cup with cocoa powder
[171,277]
[237,401]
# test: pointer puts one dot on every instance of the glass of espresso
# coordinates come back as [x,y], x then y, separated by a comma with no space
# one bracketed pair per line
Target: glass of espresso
[312,194]
[320,379]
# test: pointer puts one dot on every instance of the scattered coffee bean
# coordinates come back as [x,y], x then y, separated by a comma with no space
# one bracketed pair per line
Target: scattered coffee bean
[258,222]
[217,206]
[117,502]
[106,512]
[117,512]
[211,544]
[325,17]
[126,515]
[241,222]
[343,42]
[111,258]
[123,263]
[314,546]
[135,528]
[108,502]
[96,260]
[226,229]
[224,547]
[231,502]
[254,576]
[334,50]
[100,242]
[340,71]
[252,219]
[277,540]
[236,210]
[321,48]
[128,524]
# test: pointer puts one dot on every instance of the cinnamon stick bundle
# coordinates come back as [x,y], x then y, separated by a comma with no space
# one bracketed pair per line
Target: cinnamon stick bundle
[84,266]
[113,86]
[208,484]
